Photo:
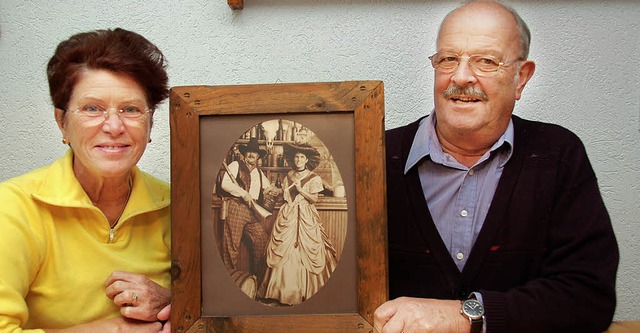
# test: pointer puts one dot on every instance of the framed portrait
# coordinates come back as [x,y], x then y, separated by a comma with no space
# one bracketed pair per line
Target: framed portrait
[278,207]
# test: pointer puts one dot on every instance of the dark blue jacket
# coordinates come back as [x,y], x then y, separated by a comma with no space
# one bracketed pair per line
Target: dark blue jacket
[546,257]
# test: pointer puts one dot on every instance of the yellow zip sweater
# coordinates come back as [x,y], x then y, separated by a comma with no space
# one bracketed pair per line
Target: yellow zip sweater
[55,253]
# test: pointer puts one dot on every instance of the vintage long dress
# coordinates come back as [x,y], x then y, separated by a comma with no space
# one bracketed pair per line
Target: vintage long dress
[299,255]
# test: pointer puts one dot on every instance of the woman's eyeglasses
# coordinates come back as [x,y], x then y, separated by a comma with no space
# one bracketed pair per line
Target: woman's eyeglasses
[96,114]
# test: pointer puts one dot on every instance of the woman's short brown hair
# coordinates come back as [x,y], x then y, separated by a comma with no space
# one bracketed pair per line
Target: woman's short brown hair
[119,51]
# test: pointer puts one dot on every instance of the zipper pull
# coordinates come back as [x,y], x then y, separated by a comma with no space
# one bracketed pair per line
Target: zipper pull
[112,234]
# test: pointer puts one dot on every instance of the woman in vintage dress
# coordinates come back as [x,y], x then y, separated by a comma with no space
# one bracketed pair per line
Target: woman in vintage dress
[300,257]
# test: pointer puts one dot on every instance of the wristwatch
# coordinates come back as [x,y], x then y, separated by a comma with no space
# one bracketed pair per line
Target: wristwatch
[473,310]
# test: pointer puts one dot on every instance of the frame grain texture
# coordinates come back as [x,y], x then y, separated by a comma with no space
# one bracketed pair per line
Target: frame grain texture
[365,99]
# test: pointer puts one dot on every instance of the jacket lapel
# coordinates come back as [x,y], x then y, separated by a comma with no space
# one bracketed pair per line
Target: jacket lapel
[497,214]
[419,208]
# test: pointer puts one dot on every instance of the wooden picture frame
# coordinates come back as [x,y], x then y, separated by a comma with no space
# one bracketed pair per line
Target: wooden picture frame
[363,101]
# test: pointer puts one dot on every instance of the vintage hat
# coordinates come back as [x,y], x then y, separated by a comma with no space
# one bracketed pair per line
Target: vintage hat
[252,146]
[313,156]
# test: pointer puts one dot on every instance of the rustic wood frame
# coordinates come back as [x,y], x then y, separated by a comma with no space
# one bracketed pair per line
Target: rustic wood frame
[365,99]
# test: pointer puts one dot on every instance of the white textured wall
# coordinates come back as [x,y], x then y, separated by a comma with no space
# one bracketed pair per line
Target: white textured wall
[587,54]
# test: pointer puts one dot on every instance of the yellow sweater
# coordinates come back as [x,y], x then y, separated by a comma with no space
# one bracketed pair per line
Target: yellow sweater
[55,253]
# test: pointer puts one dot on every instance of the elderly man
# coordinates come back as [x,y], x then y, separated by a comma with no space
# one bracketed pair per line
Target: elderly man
[496,223]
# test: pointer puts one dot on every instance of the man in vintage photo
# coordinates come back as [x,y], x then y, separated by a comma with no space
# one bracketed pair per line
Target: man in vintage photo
[496,223]
[245,184]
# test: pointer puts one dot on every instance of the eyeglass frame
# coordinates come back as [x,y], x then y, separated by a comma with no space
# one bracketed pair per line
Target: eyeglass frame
[105,114]
[477,71]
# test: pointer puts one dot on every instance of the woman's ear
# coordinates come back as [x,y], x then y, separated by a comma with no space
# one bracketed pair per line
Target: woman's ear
[59,115]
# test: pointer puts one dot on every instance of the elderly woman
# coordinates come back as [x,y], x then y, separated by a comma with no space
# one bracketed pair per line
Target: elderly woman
[85,241]
[300,257]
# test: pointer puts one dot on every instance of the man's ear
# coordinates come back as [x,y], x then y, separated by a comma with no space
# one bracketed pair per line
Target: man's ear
[526,72]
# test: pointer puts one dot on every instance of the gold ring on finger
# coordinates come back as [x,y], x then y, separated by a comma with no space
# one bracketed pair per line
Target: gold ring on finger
[134,298]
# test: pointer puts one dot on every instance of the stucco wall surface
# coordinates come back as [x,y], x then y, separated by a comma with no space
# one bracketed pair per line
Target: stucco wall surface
[586,79]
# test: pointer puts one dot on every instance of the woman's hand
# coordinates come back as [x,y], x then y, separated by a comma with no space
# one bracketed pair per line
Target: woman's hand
[165,316]
[310,197]
[137,296]
[298,185]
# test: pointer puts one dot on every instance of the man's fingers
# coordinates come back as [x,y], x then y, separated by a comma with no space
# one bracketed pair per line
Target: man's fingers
[383,314]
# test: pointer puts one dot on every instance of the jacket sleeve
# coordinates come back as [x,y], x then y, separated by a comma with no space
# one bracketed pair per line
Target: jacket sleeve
[573,287]
[21,249]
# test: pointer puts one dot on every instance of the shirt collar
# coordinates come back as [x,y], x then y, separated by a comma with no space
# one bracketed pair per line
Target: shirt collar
[61,188]
[425,143]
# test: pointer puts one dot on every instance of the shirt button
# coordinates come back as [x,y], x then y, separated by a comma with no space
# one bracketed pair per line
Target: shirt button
[464,213]
[471,172]
[460,256]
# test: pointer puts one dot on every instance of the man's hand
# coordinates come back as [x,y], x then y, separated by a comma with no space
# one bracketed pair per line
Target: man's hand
[420,315]
[272,190]
[247,198]
[137,296]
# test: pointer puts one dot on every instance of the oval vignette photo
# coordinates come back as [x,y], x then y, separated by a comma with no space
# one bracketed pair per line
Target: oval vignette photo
[281,226]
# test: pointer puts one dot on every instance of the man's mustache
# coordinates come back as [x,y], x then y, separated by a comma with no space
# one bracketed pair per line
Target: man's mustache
[472,92]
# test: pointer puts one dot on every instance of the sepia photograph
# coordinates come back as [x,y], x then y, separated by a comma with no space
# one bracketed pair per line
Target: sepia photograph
[282,214]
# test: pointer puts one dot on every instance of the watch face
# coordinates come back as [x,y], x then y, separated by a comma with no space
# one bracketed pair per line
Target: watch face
[473,309]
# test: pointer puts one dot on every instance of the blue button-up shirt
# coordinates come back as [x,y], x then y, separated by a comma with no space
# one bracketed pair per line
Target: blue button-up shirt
[458,197]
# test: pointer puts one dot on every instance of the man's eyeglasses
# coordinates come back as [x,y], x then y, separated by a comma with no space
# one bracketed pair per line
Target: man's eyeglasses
[480,64]
[95,114]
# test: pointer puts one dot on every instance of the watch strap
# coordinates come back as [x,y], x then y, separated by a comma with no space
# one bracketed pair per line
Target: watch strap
[476,325]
